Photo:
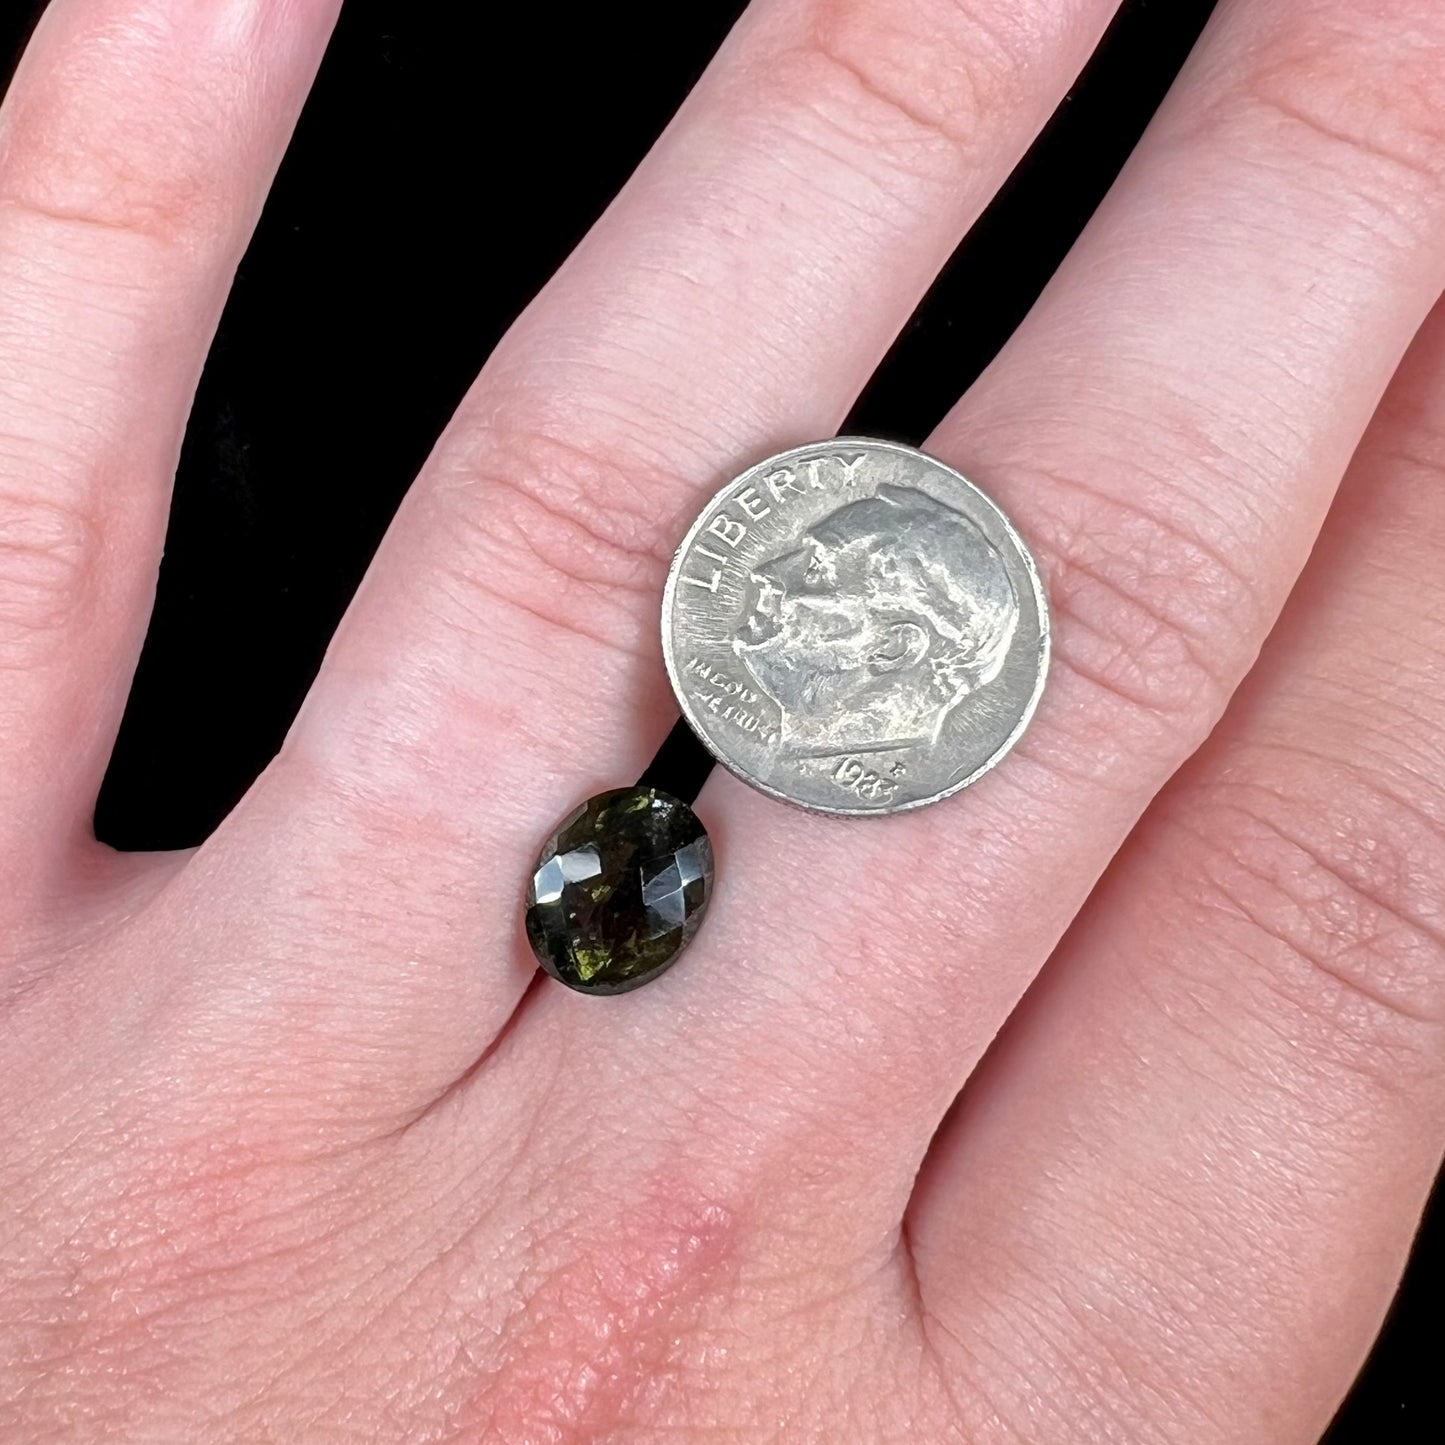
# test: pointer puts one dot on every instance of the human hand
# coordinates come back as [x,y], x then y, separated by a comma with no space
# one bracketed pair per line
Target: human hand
[254,1182]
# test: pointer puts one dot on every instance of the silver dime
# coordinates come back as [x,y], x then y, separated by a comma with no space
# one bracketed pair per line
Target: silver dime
[855,627]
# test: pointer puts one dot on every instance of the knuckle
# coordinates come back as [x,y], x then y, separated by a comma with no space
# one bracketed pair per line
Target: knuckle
[871,73]
[571,535]
[1333,878]
[1364,82]
[111,203]
[1146,610]
[149,170]
[667,1255]
[48,561]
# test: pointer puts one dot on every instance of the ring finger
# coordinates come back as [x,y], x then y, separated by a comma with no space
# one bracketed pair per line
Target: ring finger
[1168,429]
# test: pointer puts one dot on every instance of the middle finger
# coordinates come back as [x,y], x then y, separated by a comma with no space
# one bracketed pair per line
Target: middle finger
[500,661]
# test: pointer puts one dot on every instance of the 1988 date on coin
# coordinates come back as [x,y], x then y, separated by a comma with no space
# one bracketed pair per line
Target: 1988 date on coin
[855,627]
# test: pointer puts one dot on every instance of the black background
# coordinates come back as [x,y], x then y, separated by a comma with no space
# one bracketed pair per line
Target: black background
[443,168]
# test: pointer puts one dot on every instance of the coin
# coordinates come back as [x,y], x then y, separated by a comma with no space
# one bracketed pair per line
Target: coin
[854,627]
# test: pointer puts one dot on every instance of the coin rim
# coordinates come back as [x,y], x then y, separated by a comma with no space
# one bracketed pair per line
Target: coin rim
[1030,567]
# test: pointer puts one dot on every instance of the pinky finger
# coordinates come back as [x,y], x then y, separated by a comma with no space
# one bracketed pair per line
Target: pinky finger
[1184,1185]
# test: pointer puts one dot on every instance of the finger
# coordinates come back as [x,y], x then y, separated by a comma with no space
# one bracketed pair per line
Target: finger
[1194,1165]
[136,144]
[1167,429]
[501,659]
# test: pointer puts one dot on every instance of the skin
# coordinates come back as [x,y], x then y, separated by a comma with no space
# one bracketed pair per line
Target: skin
[1096,1105]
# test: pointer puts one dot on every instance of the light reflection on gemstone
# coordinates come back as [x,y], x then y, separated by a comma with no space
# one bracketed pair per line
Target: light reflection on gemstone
[556,873]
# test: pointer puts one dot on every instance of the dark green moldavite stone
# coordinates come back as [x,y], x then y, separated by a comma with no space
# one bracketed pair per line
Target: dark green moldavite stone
[619,890]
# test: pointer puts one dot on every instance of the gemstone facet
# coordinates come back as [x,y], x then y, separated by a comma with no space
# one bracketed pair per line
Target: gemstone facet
[619,891]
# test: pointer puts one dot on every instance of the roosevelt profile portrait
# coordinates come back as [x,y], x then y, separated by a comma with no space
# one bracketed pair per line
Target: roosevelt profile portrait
[876,624]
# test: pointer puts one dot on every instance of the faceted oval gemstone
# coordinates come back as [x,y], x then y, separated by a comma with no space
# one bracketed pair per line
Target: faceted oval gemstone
[619,891]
